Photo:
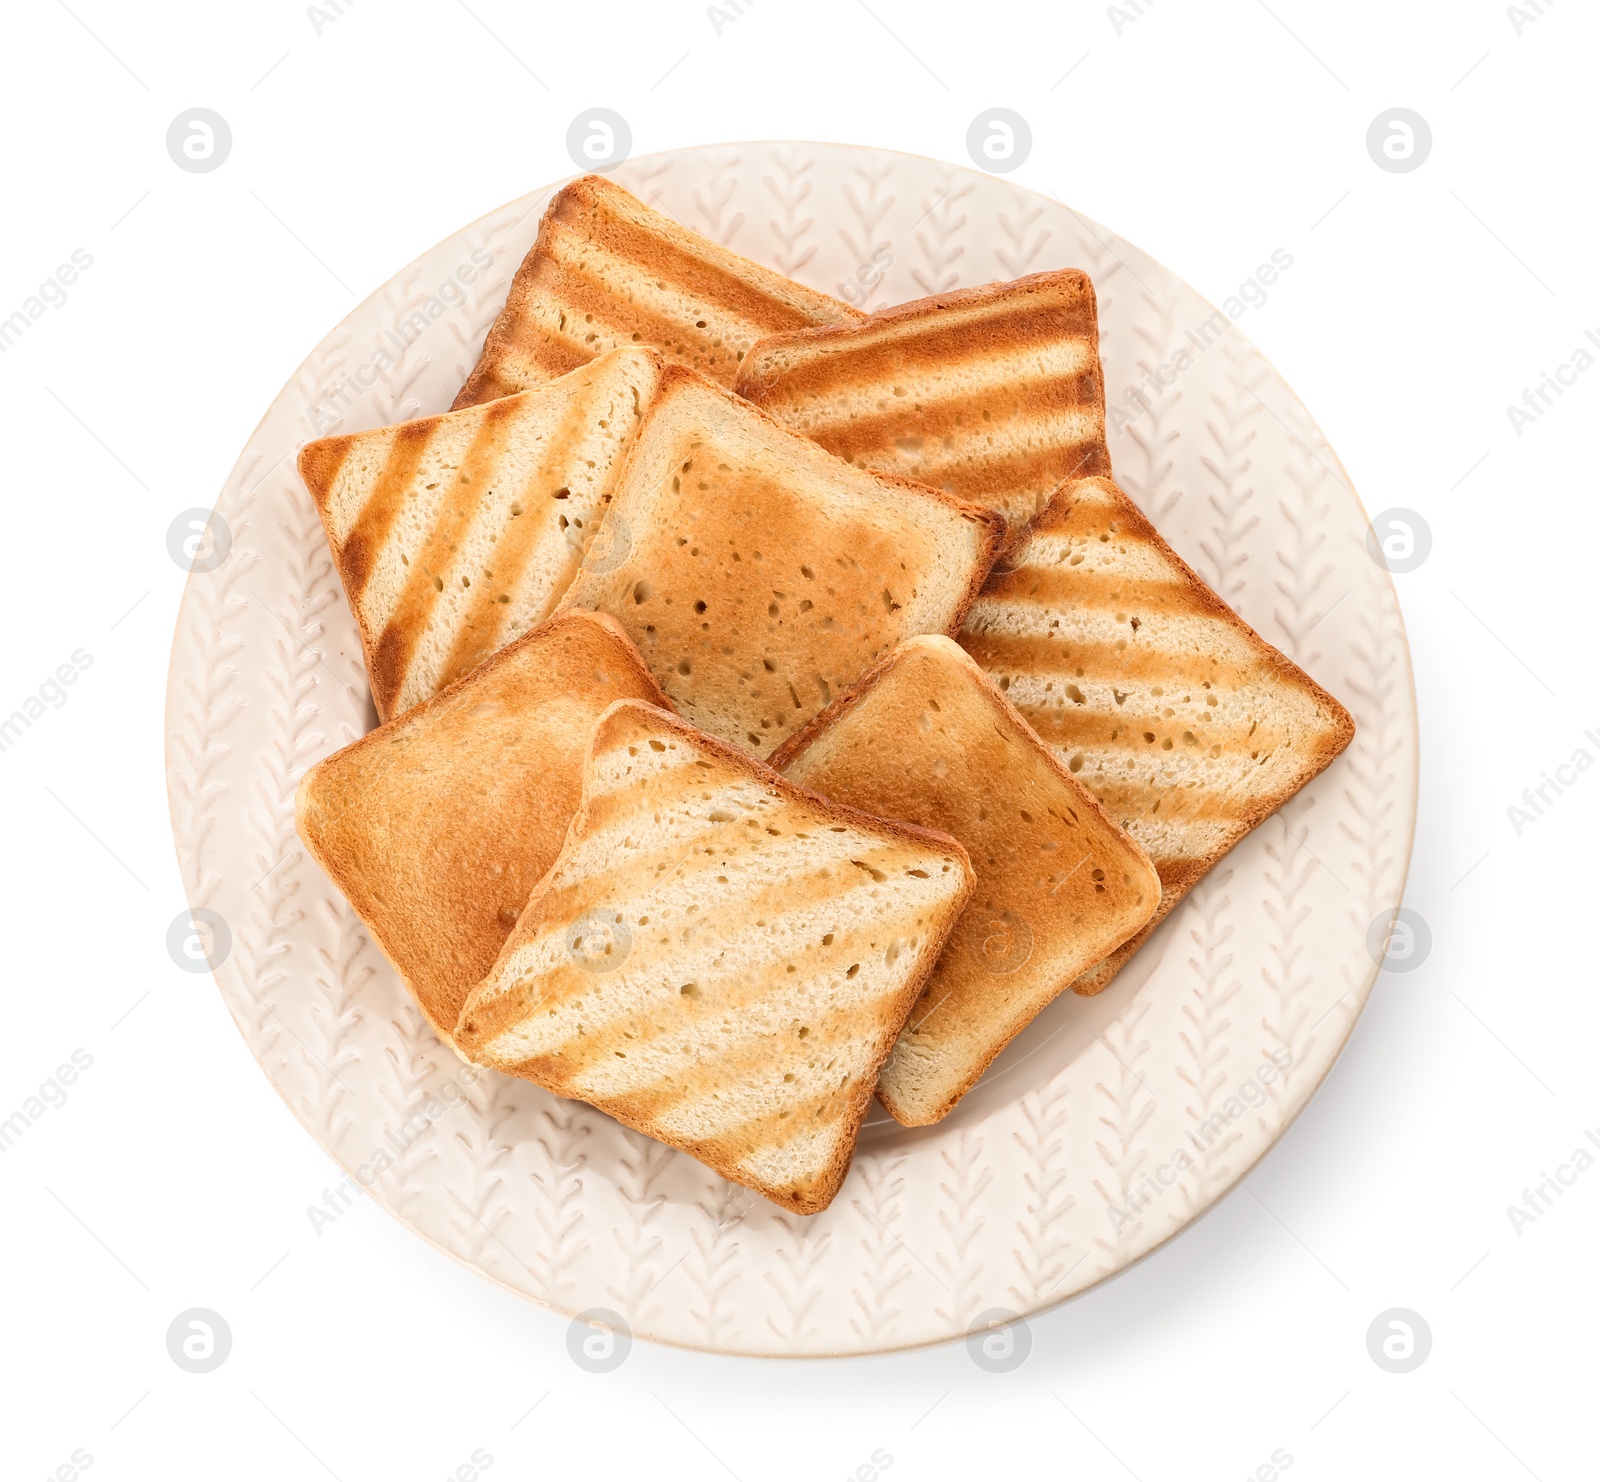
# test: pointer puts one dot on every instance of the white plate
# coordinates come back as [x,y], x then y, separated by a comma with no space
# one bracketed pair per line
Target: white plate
[1080,1151]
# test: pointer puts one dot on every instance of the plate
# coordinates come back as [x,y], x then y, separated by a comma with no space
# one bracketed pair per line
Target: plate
[1110,1123]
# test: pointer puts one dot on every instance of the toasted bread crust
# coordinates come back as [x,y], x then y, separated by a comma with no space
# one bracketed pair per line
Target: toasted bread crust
[1122,917]
[455,533]
[637,485]
[401,826]
[732,295]
[1315,754]
[954,371]
[481,1017]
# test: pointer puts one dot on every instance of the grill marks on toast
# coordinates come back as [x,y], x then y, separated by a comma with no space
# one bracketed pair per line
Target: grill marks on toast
[608,270]
[994,394]
[764,946]
[762,577]
[928,738]
[453,534]
[1186,725]
[437,826]
[432,581]
[378,512]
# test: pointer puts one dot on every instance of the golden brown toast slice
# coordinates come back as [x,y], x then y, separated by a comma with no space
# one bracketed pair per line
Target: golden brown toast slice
[453,534]
[928,738]
[437,826]
[993,394]
[608,270]
[1183,721]
[719,958]
[761,576]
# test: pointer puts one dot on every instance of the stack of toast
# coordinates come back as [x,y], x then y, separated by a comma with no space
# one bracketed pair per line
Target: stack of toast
[780,705]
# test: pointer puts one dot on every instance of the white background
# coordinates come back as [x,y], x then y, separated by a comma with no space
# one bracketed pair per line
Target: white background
[1419,307]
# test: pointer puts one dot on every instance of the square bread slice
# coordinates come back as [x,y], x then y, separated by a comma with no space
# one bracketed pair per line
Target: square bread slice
[437,826]
[992,394]
[927,737]
[761,576]
[453,534]
[719,959]
[608,270]
[1183,721]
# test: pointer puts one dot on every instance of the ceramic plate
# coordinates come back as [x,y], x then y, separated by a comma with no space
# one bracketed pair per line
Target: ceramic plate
[1108,1125]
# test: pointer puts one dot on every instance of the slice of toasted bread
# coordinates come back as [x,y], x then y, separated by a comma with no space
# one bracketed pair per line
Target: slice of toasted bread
[453,534]
[608,270]
[437,826]
[719,958]
[993,394]
[928,738]
[1187,725]
[761,576]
